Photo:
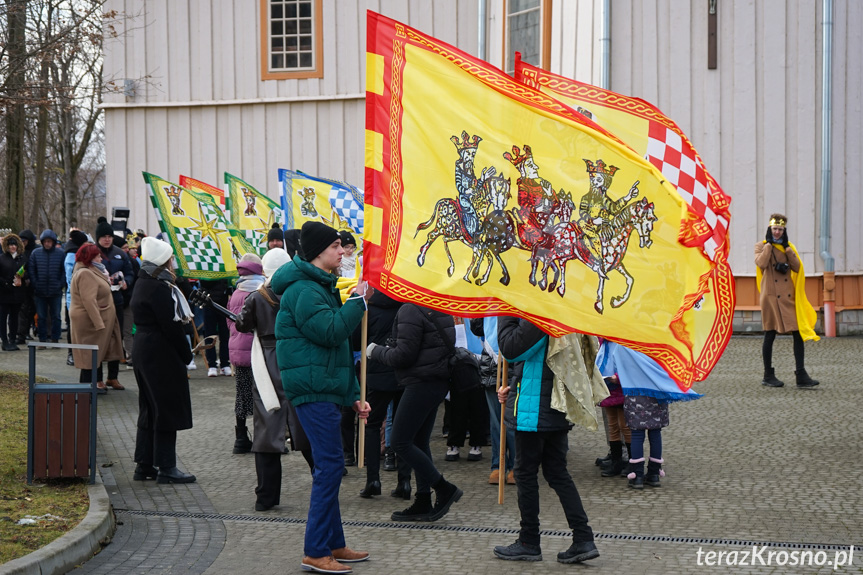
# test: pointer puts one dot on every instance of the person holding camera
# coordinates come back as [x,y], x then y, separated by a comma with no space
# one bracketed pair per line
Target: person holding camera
[784,307]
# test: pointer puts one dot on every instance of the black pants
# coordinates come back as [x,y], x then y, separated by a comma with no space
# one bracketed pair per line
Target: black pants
[25,317]
[156,447]
[380,400]
[547,449]
[468,412]
[268,467]
[412,429]
[216,324]
[9,316]
[767,349]
[87,375]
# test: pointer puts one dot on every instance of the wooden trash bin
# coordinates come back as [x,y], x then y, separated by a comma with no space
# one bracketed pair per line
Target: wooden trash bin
[61,432]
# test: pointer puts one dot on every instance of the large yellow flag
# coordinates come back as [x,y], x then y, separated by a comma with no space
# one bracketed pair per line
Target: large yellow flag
[656,137]
[487,197]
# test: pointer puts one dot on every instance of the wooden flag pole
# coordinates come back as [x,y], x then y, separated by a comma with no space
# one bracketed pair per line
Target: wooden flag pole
[364,343]
[502,379]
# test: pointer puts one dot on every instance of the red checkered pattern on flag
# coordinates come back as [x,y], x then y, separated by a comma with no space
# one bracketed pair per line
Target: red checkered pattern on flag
[678,161]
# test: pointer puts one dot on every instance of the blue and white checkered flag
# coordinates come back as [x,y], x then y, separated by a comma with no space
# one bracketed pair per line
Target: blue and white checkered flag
[347,202]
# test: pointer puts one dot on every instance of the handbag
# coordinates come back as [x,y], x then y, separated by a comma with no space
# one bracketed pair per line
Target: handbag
[463,365]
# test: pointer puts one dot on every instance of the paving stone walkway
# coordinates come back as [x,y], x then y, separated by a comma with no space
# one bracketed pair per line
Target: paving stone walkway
[746,465]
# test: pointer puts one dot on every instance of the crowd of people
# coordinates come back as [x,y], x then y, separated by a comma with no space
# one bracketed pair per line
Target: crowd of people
[290,334]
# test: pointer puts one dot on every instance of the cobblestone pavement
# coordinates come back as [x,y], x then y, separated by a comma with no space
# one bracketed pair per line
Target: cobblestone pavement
[746,465]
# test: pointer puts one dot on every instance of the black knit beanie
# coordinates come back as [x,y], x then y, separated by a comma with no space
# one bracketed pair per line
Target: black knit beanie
[315,237]
[275,233]
[103,229]
[347,238]
[78,237]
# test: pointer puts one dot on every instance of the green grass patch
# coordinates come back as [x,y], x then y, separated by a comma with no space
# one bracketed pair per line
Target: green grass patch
[64,500]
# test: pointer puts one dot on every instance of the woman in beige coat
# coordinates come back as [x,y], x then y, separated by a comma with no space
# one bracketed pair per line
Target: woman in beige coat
[776,258]
[92,316]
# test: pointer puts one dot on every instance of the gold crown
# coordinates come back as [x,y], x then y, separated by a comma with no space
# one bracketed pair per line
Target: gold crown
[778,220]
[517,158]
[466,142]
[600,168]
[247,193]
[171,191]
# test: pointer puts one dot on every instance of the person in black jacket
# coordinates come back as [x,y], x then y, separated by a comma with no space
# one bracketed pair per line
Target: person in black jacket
[48,278]
[28,307]
[383,388]
[11,289]
[120,274]
[216,324]
[421,361]
[540,440]
[160,356]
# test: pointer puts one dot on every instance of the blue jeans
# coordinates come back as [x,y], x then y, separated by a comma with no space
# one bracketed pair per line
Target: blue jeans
[45,307]
[321,422]
[494,428]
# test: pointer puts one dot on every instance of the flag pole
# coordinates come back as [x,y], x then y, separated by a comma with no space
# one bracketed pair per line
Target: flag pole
[364,342]
[502,379]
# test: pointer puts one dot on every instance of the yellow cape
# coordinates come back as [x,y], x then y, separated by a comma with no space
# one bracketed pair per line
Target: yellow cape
[806,316]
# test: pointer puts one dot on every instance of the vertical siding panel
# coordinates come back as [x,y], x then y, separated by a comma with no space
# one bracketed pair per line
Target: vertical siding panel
[698,70]
[157,50]
[117,190]
[851,151]
[333,68]
[143,158]
[663,69]
[681,37]
[443,27]
[135,55]
[180,135]
[354,141]
[201,51]
[351,44]
[771,107]
[743,96]
[178,53]
[114,48]
[467,36]
[245,49]
[562,57]
[623,48]
[650,52]
[802,205]
[223,45]
[582,42]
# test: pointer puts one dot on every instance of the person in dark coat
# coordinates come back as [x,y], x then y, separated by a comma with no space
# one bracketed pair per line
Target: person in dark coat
[382,388]
[119,269]
[216,324]
[160,357]
[421,361]
[541,440]
[12,290]
[28,307]
[48,278]
[259,316]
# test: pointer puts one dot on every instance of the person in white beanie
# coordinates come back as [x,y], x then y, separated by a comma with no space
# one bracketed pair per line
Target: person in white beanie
[160,356]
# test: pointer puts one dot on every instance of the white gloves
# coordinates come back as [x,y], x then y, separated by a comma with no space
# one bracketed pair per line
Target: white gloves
[369,349]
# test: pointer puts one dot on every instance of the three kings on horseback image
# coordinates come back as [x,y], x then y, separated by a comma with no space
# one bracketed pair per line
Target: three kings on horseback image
[541,224]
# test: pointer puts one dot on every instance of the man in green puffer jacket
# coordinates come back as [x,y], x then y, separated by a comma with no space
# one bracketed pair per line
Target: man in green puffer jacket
[313,331]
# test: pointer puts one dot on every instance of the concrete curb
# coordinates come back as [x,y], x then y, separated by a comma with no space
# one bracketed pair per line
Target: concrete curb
[74,548]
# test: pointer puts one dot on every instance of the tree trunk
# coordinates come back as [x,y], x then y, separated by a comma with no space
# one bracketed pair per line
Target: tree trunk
[16,20]
[41,146]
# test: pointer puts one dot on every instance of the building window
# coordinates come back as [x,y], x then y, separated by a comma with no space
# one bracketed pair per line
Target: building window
[291,39]
[527,30]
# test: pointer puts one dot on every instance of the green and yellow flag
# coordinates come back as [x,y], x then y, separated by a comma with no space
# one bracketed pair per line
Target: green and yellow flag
[252,213]
[205,245]
[484,196]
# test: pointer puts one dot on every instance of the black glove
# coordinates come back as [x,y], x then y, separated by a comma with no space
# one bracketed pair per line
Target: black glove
[784,239]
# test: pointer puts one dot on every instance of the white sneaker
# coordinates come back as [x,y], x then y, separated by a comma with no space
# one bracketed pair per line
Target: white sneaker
[475,453]
[192,366]
[213,372]
[227,371]
[451,453]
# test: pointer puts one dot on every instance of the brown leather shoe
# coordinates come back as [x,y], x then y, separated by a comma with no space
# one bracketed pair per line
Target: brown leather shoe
[510,478]
[348,555]
[324,565]
[494,478]
[114,384]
